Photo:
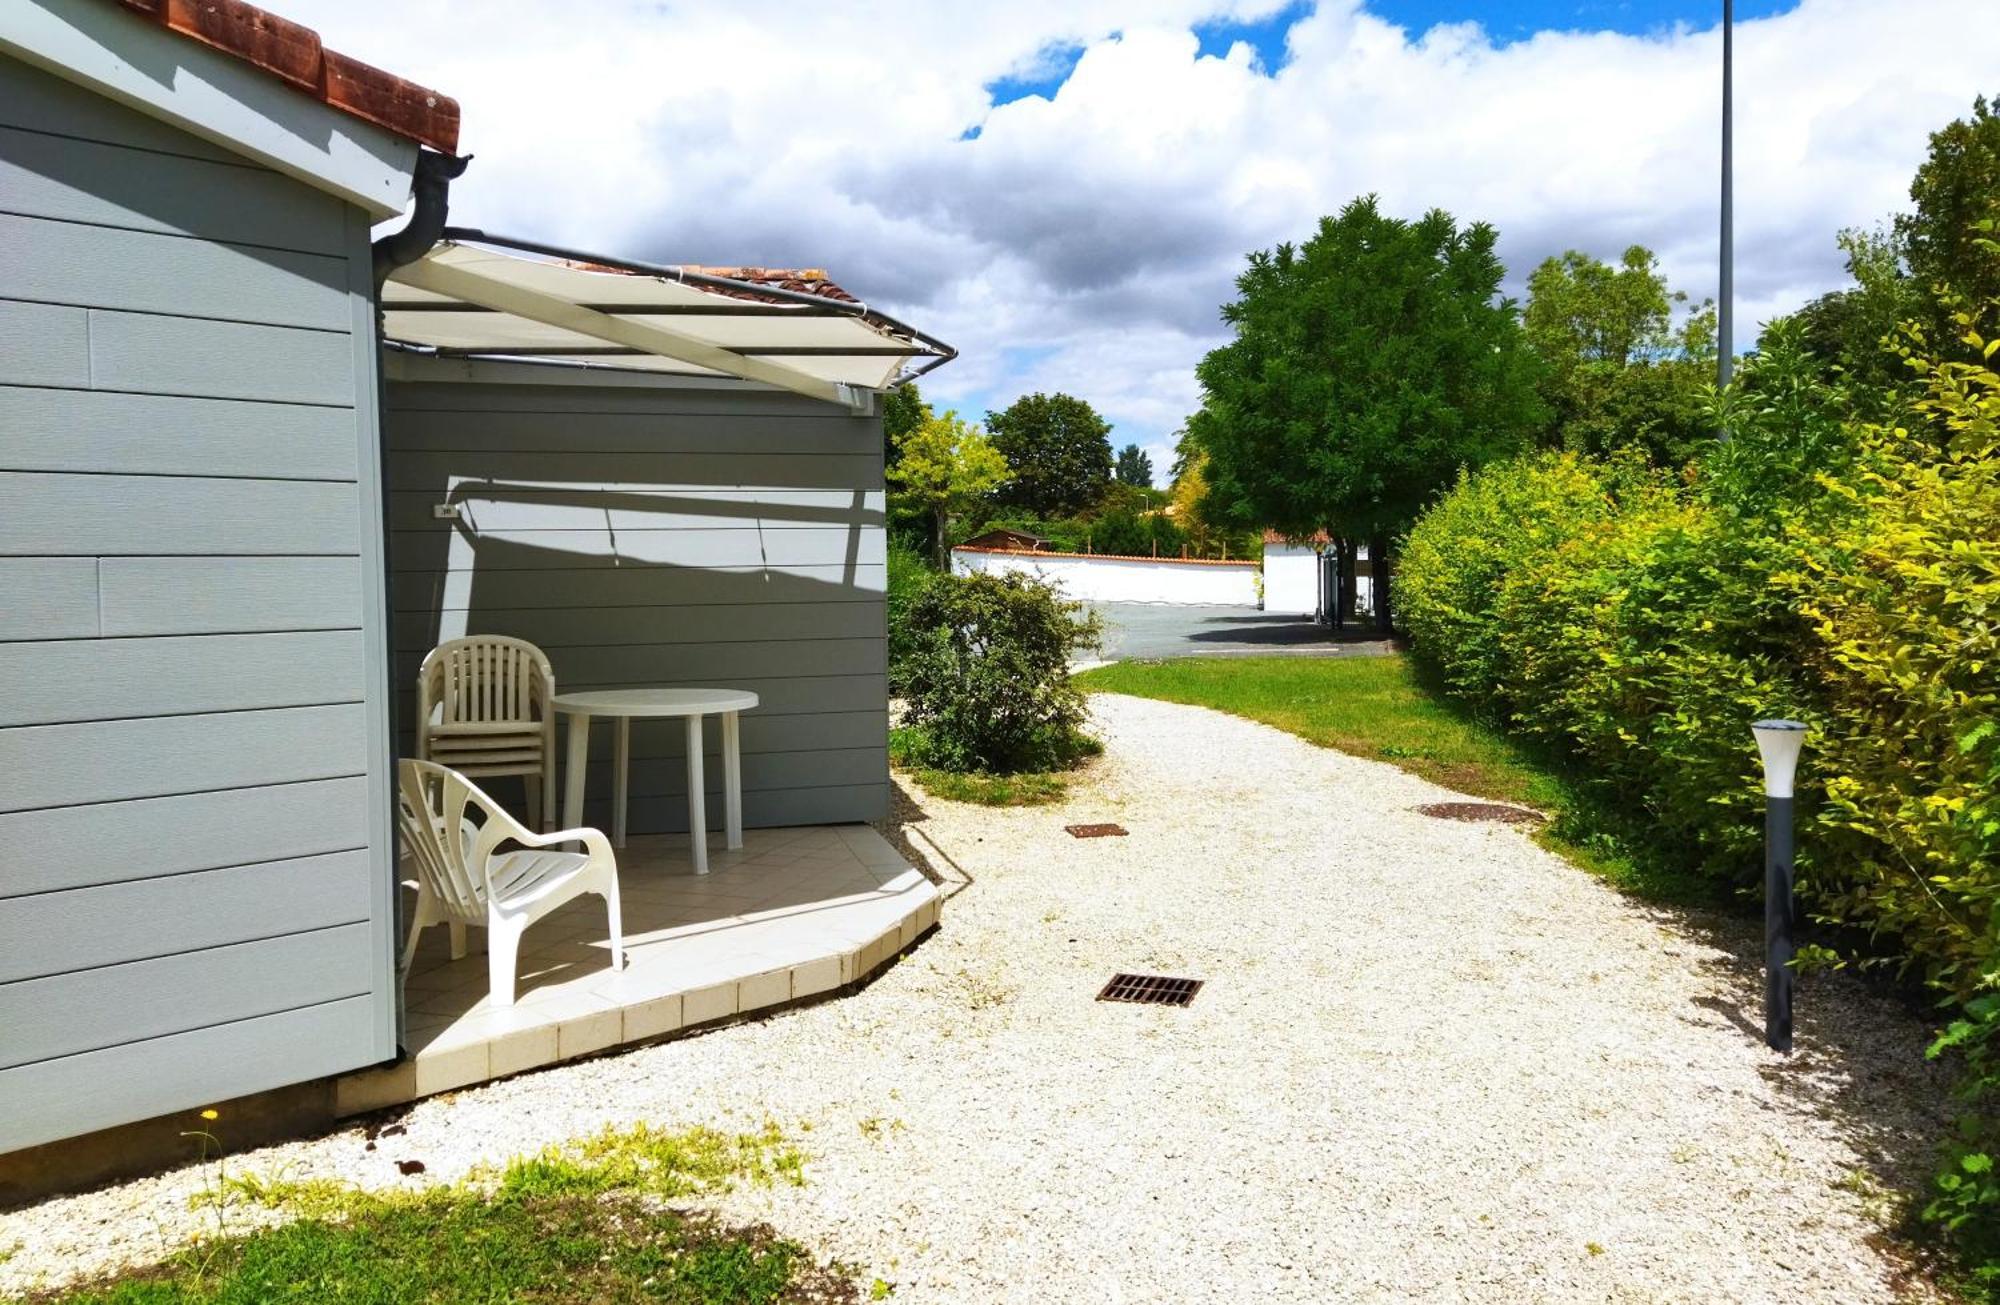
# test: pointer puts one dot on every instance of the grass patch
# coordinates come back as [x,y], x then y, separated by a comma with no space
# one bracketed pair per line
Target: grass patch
[584,1222]
[1379,708]
[1026,789]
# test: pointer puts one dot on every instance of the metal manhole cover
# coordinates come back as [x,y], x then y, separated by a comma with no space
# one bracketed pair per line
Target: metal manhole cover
[1095,831]
[1480,811]
[1150,989]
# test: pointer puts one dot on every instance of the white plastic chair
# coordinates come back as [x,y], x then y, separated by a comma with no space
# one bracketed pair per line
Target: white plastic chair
[454,833]
[483,710]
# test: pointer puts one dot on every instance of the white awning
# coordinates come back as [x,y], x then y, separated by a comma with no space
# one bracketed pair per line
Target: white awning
[466,300]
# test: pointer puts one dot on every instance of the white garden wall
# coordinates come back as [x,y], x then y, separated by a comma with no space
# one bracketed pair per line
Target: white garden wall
[1122,579]
[1291,579]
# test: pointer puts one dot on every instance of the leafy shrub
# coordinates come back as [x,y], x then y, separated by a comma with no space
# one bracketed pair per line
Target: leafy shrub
[987,681]
[1843,571]
[910,573]
[1966,1201]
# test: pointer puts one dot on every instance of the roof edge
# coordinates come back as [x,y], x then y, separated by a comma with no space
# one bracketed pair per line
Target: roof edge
[294,54]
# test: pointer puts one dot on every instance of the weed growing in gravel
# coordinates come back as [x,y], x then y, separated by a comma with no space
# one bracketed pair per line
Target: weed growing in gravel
[576,1222]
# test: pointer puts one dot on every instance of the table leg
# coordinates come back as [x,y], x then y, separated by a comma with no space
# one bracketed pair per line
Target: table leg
[697,799]
[732,779]
[621,772]
[578,762]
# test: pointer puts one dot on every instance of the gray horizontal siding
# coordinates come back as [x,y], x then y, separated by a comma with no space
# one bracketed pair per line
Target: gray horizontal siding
[628,509]
[194,869]
[111,679]
[671,536]
[60,1015]
[45,344]
[226,595]
[225,360]
[58,848]
[48,597]
[71,180]
[131,1080]
[61,514]
[633,586]
[570,627]
[54,933]
[142,272]
[63,430]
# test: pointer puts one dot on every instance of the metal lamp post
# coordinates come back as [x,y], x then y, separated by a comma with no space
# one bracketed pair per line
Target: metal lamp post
[1778,742]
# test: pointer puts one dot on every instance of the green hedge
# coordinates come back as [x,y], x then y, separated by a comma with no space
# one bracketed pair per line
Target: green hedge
[1816,566]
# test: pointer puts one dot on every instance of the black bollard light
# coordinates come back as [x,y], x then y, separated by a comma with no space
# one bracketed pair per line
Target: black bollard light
[1778,741]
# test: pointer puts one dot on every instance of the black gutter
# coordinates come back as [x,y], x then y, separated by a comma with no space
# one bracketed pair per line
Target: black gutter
[836,307]
[432,188]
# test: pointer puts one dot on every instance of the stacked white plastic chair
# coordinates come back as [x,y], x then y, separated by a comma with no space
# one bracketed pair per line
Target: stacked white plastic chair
[458,840]
[483,709]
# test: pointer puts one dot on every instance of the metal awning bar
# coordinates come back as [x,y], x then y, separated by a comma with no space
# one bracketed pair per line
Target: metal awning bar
[770,351]
[643,310]
[943,353]
[470,285]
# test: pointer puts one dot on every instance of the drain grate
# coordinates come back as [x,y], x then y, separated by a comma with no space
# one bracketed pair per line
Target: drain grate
[1150,989]
[1095,831]
[1480,811]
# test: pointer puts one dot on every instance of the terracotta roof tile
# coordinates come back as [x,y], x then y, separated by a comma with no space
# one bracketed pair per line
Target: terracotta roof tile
[294,55]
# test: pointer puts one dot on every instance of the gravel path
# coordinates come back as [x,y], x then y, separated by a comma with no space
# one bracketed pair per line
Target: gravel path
[1432,1062]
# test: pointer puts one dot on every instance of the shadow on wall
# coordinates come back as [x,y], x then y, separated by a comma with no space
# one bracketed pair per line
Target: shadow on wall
[776,589]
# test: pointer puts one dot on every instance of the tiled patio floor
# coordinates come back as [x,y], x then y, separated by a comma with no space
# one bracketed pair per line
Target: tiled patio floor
[793,913]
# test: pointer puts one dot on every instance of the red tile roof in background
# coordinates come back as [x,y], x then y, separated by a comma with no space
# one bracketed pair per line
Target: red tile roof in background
[294,55]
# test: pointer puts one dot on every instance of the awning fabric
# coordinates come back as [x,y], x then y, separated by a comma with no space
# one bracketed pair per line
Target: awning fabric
[465,300]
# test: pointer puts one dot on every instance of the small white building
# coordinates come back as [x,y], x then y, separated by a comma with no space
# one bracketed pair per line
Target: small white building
[1298,576]
[1100,578]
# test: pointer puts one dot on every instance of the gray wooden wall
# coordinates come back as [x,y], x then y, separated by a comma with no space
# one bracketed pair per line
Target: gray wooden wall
[194,876]
[658,534]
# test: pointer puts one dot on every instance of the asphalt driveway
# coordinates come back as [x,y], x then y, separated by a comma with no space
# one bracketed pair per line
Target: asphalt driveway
[1146,631]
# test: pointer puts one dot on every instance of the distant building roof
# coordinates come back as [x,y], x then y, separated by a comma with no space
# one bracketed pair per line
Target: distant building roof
[293,54]
[1007,539]
[1273,537]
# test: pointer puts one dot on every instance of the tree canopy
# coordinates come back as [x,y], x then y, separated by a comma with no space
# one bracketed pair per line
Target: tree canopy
[946,466]
[1135,467]
[1059,451]
[1369,364]
[1955,190]
[1616,371]
[903,410]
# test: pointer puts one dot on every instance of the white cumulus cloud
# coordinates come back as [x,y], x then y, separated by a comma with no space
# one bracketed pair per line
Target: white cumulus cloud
[1084,241]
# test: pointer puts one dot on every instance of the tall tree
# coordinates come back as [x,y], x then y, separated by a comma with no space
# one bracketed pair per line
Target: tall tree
[1134,467]
[1369,365]
[1615,369]
[947,465]
[1059,451]
[1956,188]
[903,410]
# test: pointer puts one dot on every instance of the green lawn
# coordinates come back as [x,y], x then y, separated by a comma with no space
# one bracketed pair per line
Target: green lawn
[1377,707]
[586,1222]
[1033,788]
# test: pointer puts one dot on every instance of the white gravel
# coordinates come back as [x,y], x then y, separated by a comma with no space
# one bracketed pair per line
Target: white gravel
[1431,1061]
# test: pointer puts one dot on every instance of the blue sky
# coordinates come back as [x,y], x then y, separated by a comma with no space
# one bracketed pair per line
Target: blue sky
[1505,23]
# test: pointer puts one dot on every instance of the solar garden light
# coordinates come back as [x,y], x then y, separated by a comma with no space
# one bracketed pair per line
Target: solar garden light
[1778,741]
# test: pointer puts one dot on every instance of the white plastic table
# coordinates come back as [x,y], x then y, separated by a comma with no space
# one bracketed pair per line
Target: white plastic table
[624,705]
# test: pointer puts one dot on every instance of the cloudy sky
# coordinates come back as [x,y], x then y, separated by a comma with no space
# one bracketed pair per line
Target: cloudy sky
[1065,188]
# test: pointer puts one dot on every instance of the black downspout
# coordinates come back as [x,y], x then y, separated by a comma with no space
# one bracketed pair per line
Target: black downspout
[432,188]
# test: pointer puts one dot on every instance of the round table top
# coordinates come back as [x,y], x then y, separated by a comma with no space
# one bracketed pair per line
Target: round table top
[653,702]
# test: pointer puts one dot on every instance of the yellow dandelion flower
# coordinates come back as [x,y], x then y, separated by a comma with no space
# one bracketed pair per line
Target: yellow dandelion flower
[210,1114]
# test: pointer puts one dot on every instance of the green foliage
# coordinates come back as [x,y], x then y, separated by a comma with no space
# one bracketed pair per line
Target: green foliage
[1617,373]
[1135,467]
[903,411]
[1125,533]
[1956,189]
[945,467]
[1058,453]
[988,684]
[1820,565]
[1369,365]
[910,574]
[575,1223]
[1965,1203]
[910,745]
